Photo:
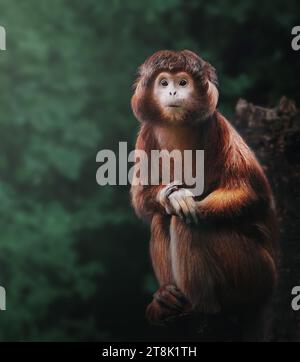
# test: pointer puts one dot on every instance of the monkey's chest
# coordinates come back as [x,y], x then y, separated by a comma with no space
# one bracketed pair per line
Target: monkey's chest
[176,138]
[177,147]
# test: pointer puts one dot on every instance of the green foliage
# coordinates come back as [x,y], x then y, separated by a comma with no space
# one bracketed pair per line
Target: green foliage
[70,250]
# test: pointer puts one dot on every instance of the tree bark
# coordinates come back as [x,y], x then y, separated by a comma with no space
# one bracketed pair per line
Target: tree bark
[274,135]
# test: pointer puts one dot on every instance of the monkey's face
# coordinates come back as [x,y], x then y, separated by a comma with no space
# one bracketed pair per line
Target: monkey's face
[174,94]
[175,87]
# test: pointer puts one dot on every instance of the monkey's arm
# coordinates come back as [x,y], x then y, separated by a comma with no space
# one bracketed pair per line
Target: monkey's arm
[237,198]
[144,197]
[228,202]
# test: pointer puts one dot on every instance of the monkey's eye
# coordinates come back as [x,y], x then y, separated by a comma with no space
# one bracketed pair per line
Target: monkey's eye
[164,82]
[183,83]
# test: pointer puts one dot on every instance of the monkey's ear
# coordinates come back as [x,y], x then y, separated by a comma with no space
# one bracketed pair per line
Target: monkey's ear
[138,79]
[211,73]
[144,74]
[135,84]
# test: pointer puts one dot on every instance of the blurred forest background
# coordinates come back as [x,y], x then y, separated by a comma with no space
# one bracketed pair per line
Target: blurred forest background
[73,257]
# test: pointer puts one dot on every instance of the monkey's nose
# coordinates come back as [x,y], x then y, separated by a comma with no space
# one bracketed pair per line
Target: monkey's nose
[172,93]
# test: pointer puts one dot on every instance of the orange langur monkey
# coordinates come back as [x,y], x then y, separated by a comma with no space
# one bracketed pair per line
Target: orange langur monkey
[215,253]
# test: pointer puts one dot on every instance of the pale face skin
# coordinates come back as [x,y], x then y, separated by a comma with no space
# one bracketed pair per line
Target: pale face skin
[173,92]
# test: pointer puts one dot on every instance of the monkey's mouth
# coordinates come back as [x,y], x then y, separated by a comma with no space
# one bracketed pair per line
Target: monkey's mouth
[174,106]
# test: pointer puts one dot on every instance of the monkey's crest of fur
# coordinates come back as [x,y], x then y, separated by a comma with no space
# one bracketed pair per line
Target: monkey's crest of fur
[174,61]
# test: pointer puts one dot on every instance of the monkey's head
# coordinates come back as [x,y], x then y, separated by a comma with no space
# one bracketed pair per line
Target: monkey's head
[175,87]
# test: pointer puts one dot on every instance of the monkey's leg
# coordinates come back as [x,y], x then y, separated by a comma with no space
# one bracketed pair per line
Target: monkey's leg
[168,299]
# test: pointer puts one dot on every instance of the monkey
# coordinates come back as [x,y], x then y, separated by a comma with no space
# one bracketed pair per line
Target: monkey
[217,252]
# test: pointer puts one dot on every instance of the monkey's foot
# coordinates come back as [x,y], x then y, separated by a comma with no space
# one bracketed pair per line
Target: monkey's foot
[168,301]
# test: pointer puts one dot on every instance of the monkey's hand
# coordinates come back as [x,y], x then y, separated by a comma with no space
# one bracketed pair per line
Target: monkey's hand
[179,201]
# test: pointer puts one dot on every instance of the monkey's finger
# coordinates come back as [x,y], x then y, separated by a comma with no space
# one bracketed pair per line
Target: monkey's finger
[176,206]
[175,183]
[168,210]
[164,193]
[166,299]
[188,207]
[192,209]
[161,197]
[173,186]
[154,314]
[177,293]
[191,205]
[170,304]
[183,206]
